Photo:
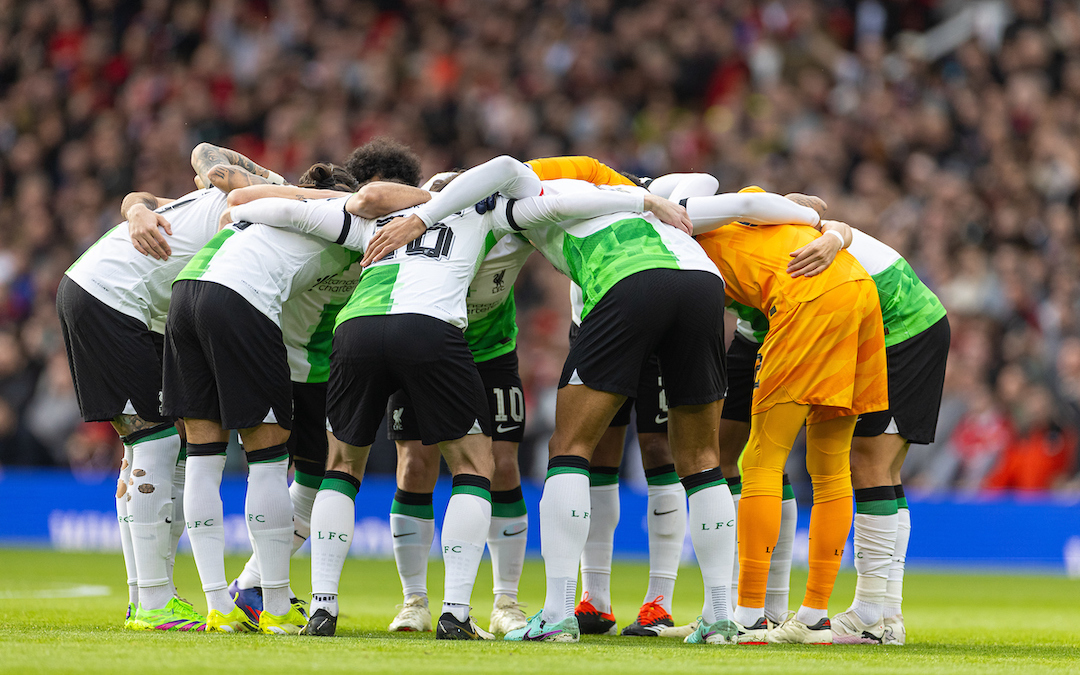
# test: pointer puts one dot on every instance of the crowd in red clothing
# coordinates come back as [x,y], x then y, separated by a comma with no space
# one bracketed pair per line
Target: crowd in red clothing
[955,147]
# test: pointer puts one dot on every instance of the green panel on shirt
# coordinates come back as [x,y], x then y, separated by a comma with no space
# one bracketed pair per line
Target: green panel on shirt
[495,333]
[200,262]
[602,259]
[908,307]
[759,323]
[318,347]
[373,295]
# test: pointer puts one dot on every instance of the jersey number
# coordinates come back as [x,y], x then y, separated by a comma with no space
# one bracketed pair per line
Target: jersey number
[434,243]
[516,402]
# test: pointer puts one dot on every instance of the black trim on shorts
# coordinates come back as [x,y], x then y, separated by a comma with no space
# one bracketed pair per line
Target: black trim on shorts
[114,358]
[916,380]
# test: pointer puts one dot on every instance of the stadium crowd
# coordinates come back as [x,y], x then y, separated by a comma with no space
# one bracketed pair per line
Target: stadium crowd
[958,158]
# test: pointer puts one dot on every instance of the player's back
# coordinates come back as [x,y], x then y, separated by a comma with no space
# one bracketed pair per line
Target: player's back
[138,285]
[754,262]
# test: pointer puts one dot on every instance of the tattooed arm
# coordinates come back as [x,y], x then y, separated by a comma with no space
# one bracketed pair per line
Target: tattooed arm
[144,225]
[227,169]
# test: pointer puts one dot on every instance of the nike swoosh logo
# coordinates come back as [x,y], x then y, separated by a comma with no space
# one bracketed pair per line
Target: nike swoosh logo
[661,420]
[507,533]
[663,513]
[403,534]
[502,430]
[540,636]
[168,521]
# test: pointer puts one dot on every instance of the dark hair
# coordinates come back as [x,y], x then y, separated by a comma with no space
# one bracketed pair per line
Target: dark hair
[636,179]
[327,176]
[384,159]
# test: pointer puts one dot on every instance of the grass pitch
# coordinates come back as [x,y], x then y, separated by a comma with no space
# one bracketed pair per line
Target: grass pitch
[956,623]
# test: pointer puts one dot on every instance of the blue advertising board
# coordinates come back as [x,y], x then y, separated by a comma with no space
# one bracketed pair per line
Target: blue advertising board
[67,511]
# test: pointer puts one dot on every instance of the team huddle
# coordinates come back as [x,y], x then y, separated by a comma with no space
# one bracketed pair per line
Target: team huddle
[303,315]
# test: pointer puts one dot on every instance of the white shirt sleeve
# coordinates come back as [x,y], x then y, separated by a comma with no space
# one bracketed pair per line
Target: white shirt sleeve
[757,208]
[522,214]
[323,218]
[676,186]
[504,175]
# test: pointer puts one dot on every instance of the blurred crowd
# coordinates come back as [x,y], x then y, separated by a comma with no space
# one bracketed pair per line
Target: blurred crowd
[946,129]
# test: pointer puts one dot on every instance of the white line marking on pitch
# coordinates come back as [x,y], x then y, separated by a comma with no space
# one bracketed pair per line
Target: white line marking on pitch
[80,591]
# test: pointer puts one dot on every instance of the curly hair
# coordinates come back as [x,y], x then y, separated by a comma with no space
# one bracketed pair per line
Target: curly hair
[384,159]
[328,177]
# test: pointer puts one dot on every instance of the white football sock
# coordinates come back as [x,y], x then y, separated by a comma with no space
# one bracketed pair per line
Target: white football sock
[333,519]
[269,519]
[123,519]
[464,531]
[152,466]
[327,601]
[712,529]
[506,541]
[176,529]
[811,615]
[412,546]
[303,499]
[206,530]
[747,616]
[875,539]
[596,556]
[894,589]
[778,586]
[667,530]
[564,529]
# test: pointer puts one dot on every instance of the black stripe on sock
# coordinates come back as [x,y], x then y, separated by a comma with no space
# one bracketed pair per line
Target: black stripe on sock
[569,461]
[507,496]
[206,449]
[734,482]
[271,454]
[347,477]
[411,498]
[472,480]
[705,477]
[875,494]
[787,481]
[605,470]
[659,471]
[899,490]
[136,436]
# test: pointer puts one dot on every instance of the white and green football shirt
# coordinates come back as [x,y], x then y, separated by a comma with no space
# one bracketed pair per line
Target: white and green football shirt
[269,265]
[598,252]
[307,324]
[138,285]
[493,327]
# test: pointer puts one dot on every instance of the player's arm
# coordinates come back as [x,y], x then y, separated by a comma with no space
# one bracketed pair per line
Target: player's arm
[579,168]
[323,218]
[227,169]
[814,258]
[522,214]
[381,197]
[504,175]
[247,194]
[138,209]
[679,186]
[756,208]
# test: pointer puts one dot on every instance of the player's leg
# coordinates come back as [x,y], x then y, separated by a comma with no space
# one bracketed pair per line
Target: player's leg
[593,613]
[875,535]
[333,519]
[508,534]
[895,632]
[412,519]
[772,433]
[828,444]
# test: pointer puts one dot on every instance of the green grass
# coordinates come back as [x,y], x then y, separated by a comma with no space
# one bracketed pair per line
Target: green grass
[956,623]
